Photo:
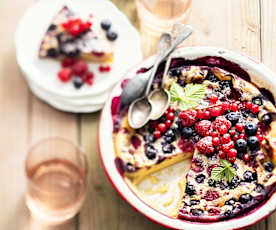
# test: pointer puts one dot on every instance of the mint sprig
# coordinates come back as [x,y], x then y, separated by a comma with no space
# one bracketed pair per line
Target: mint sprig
[224,170]
[187,97]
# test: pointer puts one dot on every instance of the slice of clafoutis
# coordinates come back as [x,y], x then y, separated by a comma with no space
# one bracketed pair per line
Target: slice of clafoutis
[126,141]
[91,45]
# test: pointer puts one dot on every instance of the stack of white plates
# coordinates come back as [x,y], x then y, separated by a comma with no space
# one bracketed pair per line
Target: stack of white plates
[41,74]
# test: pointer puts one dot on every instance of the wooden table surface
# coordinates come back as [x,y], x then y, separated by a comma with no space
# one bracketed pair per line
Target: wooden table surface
[246,26]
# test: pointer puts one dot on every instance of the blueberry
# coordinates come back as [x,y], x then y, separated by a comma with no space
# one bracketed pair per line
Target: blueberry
[196,138]
[187,132]
[231,202]
[268,166]
[259,188]
[69,49]
[241,145]
[253,143]
[228,213]
[106,24]
[196,212]
[212,183]
[78,82]
[266,118]
[52,27]
[245,198]
[248,176]
[200,178]
[170,136]
[149,138]
[222,186]
[234,183]
[224,84]
[111,35]
[150,152]
[250,129]
[168,148]
[211,77]
[130,167]
[176,72]
[258,100]
[52,52]
[233,117]
[190,189]
[195,202]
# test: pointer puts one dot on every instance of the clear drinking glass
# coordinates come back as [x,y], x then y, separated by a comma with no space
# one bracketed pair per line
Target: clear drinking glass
[56,172]
[158,16]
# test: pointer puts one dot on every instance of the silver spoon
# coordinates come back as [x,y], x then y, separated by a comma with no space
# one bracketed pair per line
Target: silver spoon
[160,98]
[136,86]
[140,109]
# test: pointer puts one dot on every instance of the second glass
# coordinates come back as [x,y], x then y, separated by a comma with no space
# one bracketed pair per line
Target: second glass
[56,173]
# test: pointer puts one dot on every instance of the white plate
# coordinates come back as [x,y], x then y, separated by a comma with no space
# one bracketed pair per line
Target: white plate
[260,75]
[43,72]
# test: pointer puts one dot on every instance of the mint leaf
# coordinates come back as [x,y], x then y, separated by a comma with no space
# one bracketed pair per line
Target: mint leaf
[230,173]
[225,163]
[225,170]
[187,97]
[217,173]
[177,92]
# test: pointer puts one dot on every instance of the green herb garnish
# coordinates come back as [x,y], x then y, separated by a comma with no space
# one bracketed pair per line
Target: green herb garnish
[187,97]
[224,170]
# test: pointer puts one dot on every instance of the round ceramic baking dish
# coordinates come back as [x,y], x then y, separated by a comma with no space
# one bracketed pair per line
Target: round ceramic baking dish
[258,73]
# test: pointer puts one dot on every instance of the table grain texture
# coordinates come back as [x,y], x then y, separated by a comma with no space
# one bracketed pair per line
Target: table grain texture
[245,26]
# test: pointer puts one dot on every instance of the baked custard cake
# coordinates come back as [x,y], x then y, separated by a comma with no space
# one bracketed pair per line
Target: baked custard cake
[69,36]
[220,120]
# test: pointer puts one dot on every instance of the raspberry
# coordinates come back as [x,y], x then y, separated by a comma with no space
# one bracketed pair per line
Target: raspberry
[225,106]
[216,141]
[248,105]
[242,136]
[221,154]
[203,127]
[157,134]
[162,127]
[232,132]
[246,157]
[188,118]
[65,74]
[213,98]
[239,127]
[255,109]
[205,145]
[225,138]
[104,68]
[211,195]
[231,160]
[79,68]
[187,146]
[232,153]
[197,165]
[226,147]
[234,107]
[67,62]
[221,120]
[170,116]
[214,134]
[168,123]
[260,137]
[215,111]
[222,129]
[200,114]
[88,77]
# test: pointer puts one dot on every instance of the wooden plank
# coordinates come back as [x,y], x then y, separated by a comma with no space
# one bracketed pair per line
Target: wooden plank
[268,45]
[24,120]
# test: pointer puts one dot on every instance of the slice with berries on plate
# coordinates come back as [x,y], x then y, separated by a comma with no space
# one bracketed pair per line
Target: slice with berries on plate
[70,36]
[225,124]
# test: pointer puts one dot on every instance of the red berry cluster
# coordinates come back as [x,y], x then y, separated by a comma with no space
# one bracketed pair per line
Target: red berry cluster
[75,68]
[76,26]
[252,107]
[162,127]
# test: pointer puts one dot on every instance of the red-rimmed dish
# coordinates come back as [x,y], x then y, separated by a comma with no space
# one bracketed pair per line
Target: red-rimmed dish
[259,74]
